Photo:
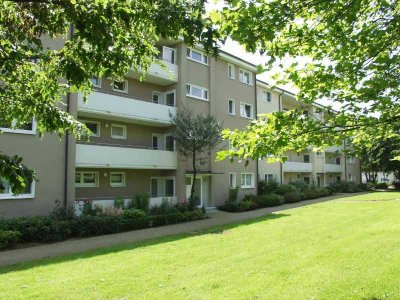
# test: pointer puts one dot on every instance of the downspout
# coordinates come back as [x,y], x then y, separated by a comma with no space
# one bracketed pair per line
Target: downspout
[280,109]
[345,161]
[66,173]
[255,111]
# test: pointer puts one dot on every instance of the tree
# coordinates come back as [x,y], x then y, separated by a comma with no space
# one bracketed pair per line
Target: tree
[104,38]
[195,134]
[350,54]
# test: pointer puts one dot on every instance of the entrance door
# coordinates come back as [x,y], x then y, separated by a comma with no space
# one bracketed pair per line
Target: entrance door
[319,181]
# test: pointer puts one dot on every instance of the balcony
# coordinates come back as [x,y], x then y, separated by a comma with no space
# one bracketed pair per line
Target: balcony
[334,149]
[125,109]
[299,167]
[161,72]
[333,168]
[100,156]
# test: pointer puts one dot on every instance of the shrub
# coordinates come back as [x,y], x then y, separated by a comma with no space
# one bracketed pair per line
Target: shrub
[301,186]
[285,189]
[111,211]
[134,213]
[233,194]
[140,201]
[381,186]
[267,187]
[119,203]
[62,213]
[312,194]
[183,206]
[9,238]
[250,197]
[293,197]
[88,209]
[270,200]
[344,187]
[166,207]
[396,185]
[246,205]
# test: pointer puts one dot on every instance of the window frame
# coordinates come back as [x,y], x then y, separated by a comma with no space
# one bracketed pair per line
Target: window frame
[121,184]
[246,186]
[165,142]
[308,160]
[82,184]
[233,113]
[93,122]
[252,110]
[21,131]
[266,176]
[265,99]
[174,52]
[117,137]
[125,91]
[232,180]
[160,94]
[241,76]
[10,196]
[99,80]
[233,77]
[203,89]
[204,58]
[165,97]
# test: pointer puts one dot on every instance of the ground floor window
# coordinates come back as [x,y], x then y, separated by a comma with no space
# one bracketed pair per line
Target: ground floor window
[232,180]
[269,177]
[86,179]
[117,179]
[247,180]
[162,187]
[6,192]
[307,180]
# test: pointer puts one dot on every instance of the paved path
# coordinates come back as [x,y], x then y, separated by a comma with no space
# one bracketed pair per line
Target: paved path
[75,246]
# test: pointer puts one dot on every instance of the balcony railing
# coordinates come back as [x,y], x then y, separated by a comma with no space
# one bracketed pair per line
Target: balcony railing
[333,168]
[292,166]
[119,156]
[161,72]
[124,108]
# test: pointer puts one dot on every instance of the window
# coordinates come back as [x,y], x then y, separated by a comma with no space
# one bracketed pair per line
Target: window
[232,180]
[245,77]
[351,160]
[169,142]
[306,158]
[120,86]
[117,179]
[307,180]
[162,187]
[6,192]
[154,187]
[169,55]
[338,160]
[196,92]
[197,56]
[169,187]
[27,128]
[338,178]
[93,126]
[247,180]
[96,81]
[118,132]
[246,110]
[269,177]
[231,71]
[156,142]
[267,97]
[158,97]
[170,98]
[86,179]
[351,177]
[231,107]
[319,153]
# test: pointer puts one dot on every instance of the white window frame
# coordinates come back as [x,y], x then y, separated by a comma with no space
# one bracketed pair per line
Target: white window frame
[174,51]
[351,160]
[266,176]
[125,91]
[99,80]
[165,141]
[233,113]
[165,97]
[251,111]
[93,122]
[82,184]
[159,136]
[164,186]
[231,66]
[117,137]
[241,76]
[232,181]
[204,58]
[161,97]
[318,153]
[265,96]
[251,186]
[21,131]
[118,184]
[351,177]
[203,90]
[10,195]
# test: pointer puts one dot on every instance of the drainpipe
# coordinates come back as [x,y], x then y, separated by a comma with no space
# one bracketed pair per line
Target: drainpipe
[280,109]
[345,161]
[255,112]
[66,173]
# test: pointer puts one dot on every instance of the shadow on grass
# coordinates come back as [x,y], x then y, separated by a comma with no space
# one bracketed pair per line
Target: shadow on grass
[220,229]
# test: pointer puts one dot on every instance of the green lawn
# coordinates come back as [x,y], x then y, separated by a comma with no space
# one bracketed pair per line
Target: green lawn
[343,249]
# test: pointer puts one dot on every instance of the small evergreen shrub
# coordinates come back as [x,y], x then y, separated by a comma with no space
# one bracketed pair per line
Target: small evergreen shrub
[9,238]
[119,203]
[133,213]
[286,188]
[293,197]
[267,187]
[233,194]
[344,187]
[301,186]
[269,200]
[140,201]
[381,186]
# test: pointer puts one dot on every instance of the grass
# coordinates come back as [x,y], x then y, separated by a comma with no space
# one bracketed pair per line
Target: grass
[342,249]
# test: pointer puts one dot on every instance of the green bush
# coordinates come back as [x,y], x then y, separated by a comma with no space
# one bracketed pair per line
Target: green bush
[134,213]
[166,207]
[301,186]
[269,200]
[286,188]
[293,197]
[119,202]
[267,187]
[233,194]
[9,238]
[396,185]
[381,186]
[88,209]
[140,201]
[344,187]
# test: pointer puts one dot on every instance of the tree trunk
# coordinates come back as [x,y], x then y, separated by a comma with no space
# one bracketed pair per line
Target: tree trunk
[192,189]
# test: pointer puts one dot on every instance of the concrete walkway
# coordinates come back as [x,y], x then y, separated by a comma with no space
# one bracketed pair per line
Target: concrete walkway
[75,246]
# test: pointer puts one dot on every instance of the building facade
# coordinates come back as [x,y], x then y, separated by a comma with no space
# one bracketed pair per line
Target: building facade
[132,151]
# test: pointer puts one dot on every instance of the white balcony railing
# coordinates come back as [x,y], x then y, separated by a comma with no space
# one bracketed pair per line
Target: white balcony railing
[102,104]
[292,166]
[334,149]
[334,168]
[161,72]
[96,156]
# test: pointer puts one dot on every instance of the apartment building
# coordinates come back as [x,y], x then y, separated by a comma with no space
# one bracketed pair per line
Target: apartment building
[320,168]
[131,149]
